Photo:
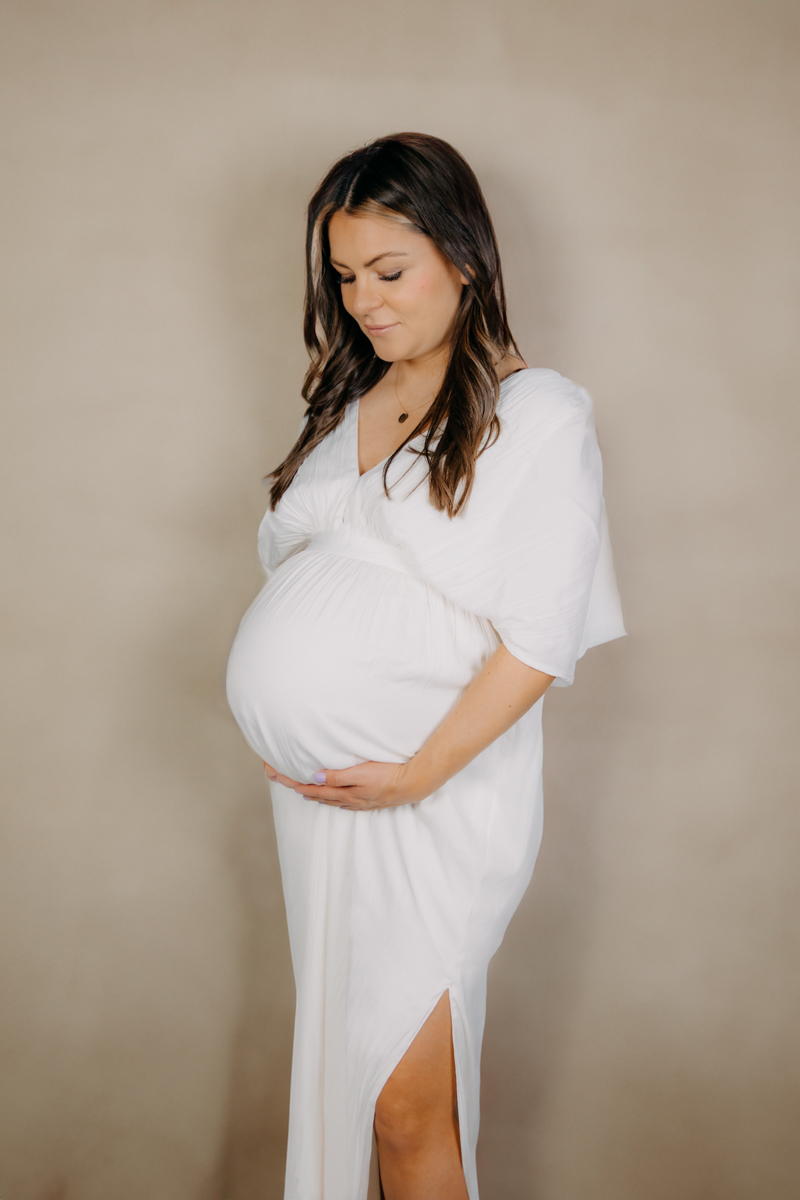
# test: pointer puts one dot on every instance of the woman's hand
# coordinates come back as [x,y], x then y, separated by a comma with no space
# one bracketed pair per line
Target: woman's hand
[366,786]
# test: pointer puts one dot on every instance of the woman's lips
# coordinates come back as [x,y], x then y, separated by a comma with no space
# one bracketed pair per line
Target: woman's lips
[374,330]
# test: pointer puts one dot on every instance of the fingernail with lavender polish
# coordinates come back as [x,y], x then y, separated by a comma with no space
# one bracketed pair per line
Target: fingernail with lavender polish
[319,777]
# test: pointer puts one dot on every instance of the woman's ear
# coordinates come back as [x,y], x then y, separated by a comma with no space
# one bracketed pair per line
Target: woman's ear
[463,277]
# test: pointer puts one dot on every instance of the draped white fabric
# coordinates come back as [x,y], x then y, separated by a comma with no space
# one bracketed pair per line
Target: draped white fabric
[377,612]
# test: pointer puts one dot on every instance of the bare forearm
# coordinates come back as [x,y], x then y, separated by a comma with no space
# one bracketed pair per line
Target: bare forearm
[497,697]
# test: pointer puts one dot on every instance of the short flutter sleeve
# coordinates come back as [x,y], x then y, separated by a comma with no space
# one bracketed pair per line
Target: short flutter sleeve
[531,552]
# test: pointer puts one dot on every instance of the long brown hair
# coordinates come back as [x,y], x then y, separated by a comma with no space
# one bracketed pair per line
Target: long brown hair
[425,182]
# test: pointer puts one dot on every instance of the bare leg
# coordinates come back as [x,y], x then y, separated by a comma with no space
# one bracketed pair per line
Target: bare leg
[416,1118]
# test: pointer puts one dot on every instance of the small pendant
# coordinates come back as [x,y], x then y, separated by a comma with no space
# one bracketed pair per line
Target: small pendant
[401,418]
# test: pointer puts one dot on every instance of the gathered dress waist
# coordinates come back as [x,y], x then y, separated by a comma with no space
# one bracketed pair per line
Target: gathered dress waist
[350,544]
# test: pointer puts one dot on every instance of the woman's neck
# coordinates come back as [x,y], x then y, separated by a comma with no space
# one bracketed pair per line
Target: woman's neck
[417,380]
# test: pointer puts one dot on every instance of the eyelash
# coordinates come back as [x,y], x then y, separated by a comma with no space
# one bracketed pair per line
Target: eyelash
[383,278]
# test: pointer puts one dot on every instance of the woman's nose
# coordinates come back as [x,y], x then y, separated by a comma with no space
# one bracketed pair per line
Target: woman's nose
[365,298]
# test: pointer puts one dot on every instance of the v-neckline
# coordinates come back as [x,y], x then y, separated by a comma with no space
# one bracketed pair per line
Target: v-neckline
[362,474]
[356,406]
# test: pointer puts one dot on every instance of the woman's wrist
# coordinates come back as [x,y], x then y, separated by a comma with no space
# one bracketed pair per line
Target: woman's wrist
[417,781]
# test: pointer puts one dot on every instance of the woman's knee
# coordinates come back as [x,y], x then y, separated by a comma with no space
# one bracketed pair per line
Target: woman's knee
[417,1105]
[405,1125]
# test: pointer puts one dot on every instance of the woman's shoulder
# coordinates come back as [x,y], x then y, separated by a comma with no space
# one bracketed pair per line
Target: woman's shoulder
[538,400]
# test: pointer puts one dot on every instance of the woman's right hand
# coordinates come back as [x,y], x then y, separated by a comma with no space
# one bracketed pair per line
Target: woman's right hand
[360,788]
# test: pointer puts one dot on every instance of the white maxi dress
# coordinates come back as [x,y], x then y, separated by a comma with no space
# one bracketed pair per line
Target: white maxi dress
[376,614]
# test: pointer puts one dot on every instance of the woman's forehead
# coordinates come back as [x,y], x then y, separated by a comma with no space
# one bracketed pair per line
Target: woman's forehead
[369,234]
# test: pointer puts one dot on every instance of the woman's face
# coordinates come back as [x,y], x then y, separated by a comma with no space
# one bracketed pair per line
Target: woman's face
[401,290]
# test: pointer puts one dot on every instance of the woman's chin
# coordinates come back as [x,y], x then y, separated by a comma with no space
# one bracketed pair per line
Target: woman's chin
[383,352]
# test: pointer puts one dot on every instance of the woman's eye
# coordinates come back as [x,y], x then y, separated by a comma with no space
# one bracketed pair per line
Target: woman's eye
[383,278]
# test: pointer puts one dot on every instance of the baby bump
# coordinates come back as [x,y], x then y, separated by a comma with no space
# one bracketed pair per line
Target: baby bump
[339,660]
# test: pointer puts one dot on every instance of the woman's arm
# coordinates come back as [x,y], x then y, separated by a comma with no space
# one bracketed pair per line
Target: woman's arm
[497,697]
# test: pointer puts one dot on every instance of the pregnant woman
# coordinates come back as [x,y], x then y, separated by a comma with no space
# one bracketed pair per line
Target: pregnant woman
[436,556]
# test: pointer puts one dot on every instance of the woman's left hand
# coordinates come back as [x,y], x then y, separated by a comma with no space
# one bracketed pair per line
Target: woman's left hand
[366,786]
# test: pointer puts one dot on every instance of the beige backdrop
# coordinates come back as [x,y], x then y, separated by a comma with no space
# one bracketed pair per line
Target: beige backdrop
[641,162]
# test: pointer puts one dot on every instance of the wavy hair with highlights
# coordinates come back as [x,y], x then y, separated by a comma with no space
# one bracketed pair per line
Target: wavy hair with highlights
[423,182]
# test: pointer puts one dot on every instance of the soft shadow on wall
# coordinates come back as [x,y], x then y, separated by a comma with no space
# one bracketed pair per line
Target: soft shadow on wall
[261,267]
[538,975]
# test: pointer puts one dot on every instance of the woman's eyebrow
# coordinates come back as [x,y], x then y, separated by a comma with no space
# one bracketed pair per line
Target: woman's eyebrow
[386,254]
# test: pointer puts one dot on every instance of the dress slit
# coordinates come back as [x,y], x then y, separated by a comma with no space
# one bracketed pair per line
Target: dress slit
[386,1071]
[463,1131]
[467,1135]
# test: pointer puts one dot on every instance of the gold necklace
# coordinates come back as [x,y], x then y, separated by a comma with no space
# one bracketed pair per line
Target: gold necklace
[405,411]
